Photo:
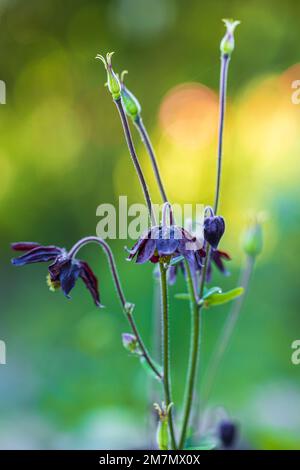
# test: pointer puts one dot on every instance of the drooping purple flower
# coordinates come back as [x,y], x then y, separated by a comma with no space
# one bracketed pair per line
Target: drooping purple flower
[64,270]
[214,228]
[165,242]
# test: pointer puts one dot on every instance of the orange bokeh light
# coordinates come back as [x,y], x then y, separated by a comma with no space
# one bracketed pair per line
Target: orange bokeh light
[188,115]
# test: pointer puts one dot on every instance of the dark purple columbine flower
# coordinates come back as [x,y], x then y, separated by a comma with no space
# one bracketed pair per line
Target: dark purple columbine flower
[64,270]
[165,242]
[214,228]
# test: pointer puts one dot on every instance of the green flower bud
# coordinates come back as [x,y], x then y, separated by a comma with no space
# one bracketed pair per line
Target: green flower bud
[253,239]
[113,82]
[131,104]
[162,433]
[227,43]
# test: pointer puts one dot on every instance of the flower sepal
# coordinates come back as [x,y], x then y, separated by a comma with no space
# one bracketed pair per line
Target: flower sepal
[113,82]
[227,43]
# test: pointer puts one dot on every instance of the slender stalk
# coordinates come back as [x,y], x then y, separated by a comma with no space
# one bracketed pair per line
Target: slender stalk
[166,350]
[223,87]
[193,356]
[195,344]
[134,158]
[148,145]
[227,331]
[127,306]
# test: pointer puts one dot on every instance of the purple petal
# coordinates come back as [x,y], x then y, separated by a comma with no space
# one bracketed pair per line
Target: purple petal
[90,281]
[167,242]
[24,246]
[67,272]
[38,254]
[138,245]
[146,252]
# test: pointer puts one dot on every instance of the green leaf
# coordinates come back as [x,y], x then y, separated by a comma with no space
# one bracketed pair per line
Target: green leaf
[224,297]
[213,290]
[149,369]
[207,443]
[183,296]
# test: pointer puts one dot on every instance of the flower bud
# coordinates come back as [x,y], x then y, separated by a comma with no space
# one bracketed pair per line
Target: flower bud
[227,433]
[214,228]
[131,104]
[113,82]
[130,343]
[227,43]
[253,239]
[162,433]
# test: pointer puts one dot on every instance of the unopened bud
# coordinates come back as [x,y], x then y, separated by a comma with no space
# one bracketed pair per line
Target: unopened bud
[214,228]
[227,43]
[228,433]
[113,82]
[253,239]
[162,433]
[131,104]
[130,343]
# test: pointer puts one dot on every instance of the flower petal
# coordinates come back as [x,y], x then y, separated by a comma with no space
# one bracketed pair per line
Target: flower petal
[90,281]
[24,246]
[138,245]
[146,252]
[217,257]
[67,271]
[38,254]
[167,242]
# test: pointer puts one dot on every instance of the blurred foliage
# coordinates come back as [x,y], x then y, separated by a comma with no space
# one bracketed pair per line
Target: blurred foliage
[62,153]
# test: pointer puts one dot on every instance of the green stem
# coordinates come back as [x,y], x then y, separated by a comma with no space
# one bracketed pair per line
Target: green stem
[223,87]
[193,357]
[166,350]
[195,342]
[147,142]
[135,159]
[227,331]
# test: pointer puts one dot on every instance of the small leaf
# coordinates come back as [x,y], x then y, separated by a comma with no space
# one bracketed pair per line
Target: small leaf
[224,297]
[207,443]
[183,296]
[213,290]
[176,260]
[148,369]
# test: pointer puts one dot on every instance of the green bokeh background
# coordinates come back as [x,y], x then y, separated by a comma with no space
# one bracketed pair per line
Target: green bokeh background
[68,382]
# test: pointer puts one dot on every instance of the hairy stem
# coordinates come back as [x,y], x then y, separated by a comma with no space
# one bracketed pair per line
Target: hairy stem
[223,86]
[166,350]
[134,158]
[127,306]
[193,356]
[195,342]
[227,331]
[147,142]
